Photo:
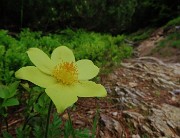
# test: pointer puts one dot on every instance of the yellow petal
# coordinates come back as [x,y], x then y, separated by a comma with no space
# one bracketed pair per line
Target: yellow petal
[41,60]
[62,53]
[89,89]
[34,75]
[62,96]
[86,69]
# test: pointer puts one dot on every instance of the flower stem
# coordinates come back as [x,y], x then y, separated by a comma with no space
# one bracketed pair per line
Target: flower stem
[6,121]
[48,119]
[71,124]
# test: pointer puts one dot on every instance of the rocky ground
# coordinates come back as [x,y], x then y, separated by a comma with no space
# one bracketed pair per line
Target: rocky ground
[143,97]
[147,92]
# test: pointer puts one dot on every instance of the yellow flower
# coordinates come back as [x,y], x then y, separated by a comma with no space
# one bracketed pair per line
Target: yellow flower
[64,79]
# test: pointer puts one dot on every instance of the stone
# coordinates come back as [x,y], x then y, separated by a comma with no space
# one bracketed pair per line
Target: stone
[136,136]
[132,84]
[140,111]
[112,127]
[137,116]
[166,119]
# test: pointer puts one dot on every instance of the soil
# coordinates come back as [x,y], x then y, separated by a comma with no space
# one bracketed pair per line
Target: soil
[148,47]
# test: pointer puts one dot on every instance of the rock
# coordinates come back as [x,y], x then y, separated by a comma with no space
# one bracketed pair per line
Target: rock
[176,92]
[143,112]
[137,116]
[174,98]
[132,84]
[147,130]
[177,71]
[111,127]
[115,113]
[166,120]
[79,122]
[136,136]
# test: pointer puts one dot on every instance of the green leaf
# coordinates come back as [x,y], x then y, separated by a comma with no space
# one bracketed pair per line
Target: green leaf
[84,133]
[25,86]
[8,91]
[10,102]
[3,91]
[6,135]
[37,131]
[13,88]
[54,131]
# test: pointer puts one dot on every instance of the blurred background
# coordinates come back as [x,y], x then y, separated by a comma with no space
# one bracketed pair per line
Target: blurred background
[113,16]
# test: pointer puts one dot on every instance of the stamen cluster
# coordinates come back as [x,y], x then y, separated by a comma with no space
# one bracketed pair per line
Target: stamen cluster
[66,73]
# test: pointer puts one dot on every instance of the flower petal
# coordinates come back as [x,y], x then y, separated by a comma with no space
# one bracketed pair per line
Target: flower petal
[62,53]
[86,69]
[41,60]
[89,89]
[34,75]
[62,96]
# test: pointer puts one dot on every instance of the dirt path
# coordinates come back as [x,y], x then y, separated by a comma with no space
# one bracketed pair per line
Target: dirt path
[166,54]
[146,92]
[143,98]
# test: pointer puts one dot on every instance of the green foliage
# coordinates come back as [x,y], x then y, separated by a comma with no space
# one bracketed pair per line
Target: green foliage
[113,16]
[68,129]
[21,132]
[151,13]
[172,40]
[41,104]
[167,46]
[95,123]
[62,13]
[141,34]
[101,48]
[7,97]
[173,22]
[6,135]
[6,40]
[78,133]
[54,128]
[84,133]
[29,39]
[87,45]
[37,132]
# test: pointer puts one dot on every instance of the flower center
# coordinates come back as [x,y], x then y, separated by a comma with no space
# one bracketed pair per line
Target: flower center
[66,73]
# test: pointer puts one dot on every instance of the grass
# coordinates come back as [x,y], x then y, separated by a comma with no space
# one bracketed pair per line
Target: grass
[173,23]
[172,40]
[141,34]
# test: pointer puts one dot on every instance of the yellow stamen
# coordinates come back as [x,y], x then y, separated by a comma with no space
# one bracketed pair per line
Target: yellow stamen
[66,73]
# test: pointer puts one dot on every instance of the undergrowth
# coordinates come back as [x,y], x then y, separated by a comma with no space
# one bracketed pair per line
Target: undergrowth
[100,48]
[172,23]
[172,40]
[141,34]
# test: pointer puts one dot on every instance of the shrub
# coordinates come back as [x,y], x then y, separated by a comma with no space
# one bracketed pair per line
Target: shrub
[97,47]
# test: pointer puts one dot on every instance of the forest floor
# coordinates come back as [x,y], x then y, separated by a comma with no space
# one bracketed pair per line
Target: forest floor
[143,96]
